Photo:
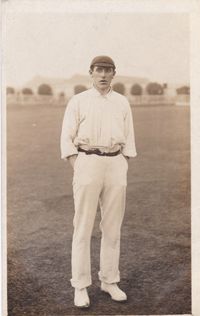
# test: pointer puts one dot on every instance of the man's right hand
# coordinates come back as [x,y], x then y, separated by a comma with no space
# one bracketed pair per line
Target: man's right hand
[72,160]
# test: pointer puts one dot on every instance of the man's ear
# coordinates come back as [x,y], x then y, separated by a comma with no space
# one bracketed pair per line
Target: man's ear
[90,71]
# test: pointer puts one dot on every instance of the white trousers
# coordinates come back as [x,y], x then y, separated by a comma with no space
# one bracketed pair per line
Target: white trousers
[103,180]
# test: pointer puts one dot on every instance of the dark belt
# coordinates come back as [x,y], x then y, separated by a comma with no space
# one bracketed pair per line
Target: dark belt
[98,152]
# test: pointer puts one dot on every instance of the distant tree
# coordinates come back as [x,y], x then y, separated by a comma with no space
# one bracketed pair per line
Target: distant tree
[136,89]
[119,87]
[45,89]
[154,88]
[61,94]
[27,91]
[10,90]
[79,88]
[183,90]
[164,85]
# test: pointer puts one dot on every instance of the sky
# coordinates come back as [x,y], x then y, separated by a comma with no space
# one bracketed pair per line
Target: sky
[59,45]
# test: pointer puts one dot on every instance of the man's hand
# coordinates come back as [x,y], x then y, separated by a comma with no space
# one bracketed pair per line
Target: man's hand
[72,160]
[126,157]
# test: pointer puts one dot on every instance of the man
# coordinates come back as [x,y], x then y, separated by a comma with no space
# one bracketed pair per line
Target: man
[97,139]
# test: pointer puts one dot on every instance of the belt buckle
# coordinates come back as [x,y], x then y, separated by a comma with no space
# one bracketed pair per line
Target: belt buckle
[97,151]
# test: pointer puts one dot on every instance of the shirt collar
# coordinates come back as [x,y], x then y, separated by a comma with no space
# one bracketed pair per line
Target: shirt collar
[97,93]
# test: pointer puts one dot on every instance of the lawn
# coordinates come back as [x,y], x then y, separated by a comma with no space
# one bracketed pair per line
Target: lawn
[155,260]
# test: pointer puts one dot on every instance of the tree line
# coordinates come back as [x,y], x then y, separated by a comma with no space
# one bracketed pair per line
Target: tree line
[152,88]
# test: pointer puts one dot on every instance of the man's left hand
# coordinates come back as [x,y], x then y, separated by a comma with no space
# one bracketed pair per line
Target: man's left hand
[127,158]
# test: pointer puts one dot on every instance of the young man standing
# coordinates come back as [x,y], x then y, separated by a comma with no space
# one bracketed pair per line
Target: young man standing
[97,139]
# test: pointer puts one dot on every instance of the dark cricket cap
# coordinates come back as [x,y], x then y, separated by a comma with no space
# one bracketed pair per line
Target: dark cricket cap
[103,61]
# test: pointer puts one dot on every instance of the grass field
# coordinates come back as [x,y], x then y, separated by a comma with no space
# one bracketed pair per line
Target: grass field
[155,258]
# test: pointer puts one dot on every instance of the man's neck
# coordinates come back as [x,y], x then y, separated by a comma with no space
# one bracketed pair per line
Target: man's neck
[103,91]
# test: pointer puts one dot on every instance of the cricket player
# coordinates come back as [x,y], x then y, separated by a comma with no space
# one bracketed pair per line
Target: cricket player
[98,139]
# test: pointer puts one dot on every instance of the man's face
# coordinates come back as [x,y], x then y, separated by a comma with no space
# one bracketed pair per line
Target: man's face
[102,77]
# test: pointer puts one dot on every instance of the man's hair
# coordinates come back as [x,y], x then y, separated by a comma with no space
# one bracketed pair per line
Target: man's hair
[92,67]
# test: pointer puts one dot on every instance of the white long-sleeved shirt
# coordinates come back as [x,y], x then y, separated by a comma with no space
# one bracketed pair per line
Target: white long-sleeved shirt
[92,120]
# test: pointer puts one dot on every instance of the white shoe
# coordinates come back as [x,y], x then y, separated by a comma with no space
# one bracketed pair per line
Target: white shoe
[114,291]
[81,298]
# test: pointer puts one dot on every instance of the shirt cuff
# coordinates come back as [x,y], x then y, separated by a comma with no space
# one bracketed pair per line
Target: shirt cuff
[67,153]
[129,153]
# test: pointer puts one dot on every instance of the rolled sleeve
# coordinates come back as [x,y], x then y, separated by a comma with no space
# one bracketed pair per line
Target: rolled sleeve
[129,149]
[69,130]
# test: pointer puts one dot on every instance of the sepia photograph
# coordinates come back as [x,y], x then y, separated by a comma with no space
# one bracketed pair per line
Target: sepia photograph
[98,155]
